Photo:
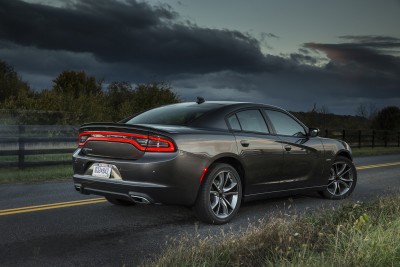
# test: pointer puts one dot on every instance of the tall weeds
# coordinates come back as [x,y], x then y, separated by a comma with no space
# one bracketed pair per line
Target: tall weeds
[360,234]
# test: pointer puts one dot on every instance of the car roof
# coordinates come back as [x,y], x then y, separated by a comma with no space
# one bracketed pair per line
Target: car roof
[215,113]
[235,104]
[215,118]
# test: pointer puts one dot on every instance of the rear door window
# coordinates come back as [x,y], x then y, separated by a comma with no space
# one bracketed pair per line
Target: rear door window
[248,121]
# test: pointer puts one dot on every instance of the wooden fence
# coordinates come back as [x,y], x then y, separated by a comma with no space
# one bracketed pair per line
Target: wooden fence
[17,142]
[358,138]
[20,141]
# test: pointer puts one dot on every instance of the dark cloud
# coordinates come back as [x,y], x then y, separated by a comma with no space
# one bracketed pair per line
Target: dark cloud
[33,62]
[129,32]
[137,42]
[362,66]
[303,59]
[265,35]
[355,72]
[362,54]
[378,41]
[304,51]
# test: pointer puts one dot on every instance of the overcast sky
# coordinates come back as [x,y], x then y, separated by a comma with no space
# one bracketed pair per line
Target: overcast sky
[288,53]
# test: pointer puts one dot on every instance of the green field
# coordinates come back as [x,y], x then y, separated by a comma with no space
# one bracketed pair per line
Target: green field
[368,151]
[35,174]
[45,157]
[360,234]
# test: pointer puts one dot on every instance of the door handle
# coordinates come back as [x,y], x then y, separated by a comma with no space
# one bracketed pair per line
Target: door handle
[244,143]
[288,148]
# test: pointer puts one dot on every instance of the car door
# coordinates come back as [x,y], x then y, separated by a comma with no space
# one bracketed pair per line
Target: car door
[260,152]
[303,155]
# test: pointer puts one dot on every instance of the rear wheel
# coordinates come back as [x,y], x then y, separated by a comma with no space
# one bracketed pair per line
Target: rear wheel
[220,195]
[119,202]
[342,179]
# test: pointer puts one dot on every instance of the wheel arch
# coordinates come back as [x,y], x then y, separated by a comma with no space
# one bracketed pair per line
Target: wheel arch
[236,164]
[344,153]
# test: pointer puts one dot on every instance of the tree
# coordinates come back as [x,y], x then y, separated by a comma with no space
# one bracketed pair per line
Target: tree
[366,111]
[388,119]
[324,111]
[74,84]
[361,111]
[11,84]
[77,96]
[123,101]
[152,95]
[372,111]
[118,97]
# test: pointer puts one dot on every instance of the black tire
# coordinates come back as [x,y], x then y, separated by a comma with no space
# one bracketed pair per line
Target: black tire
[226,195]
[120,202]
[342,179]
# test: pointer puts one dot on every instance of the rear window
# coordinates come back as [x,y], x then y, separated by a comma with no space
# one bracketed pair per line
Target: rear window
[179,114]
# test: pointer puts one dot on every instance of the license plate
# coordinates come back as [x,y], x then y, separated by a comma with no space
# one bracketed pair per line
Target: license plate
[101,170]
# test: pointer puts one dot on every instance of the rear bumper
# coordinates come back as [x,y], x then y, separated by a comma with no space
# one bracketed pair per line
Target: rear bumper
[167,178]
[138,192]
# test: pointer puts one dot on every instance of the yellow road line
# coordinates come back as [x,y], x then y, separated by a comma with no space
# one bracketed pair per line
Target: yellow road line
[100,200]
[51,206]
[378,165]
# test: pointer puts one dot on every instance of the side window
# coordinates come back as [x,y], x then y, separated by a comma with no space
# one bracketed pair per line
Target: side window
[284,124]
[234,123]
[252,121]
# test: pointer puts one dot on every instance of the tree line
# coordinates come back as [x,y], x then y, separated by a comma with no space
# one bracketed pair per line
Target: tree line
[371,118]
[76,97]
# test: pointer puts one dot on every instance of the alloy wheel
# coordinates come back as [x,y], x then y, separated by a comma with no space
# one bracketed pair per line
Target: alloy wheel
[340,179]
[224,194]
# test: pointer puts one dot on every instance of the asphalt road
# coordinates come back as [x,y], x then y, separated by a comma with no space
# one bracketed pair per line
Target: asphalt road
[96,233]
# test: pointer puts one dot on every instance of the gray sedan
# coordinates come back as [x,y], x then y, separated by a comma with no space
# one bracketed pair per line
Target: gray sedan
[210,156]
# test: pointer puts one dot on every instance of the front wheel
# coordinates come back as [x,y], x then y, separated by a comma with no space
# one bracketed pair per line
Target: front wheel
[342,179]
[220,195]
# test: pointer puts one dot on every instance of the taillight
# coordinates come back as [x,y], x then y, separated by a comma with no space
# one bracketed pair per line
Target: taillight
[142,142]
[157,144]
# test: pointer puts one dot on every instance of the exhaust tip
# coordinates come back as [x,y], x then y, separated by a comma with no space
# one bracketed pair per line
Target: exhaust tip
[139,199]
[78,187]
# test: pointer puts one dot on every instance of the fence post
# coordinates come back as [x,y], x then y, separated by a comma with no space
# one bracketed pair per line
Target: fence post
[359,138]
[326,132]
[21,146]
[373,139]
[343,135]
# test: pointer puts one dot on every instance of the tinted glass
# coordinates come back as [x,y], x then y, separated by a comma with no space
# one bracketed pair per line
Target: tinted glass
[234,123]
[284,124]
[252,121]
[171,115]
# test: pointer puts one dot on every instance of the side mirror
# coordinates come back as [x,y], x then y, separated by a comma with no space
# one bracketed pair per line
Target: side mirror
[313,132]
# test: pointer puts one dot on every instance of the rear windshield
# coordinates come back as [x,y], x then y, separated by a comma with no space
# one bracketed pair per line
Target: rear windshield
[179,114]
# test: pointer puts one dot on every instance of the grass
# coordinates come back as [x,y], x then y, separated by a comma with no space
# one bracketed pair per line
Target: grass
[35,174]
[43,157]
[360,234]
[369,151]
